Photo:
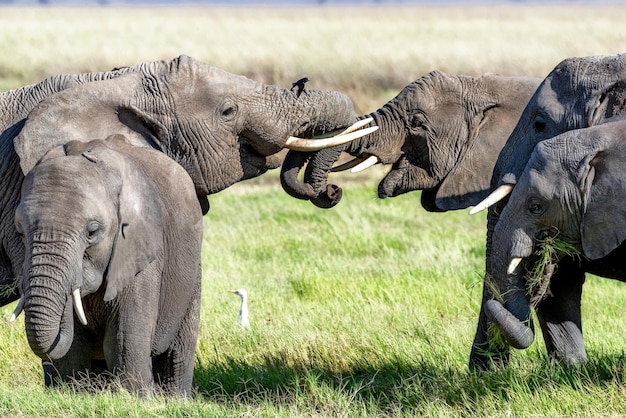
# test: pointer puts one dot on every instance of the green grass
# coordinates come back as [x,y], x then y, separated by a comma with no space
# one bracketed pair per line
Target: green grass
[367,309]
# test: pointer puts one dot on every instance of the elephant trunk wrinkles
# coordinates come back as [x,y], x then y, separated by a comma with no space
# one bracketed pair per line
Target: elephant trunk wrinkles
[49,319]
[514,318]
[315,186]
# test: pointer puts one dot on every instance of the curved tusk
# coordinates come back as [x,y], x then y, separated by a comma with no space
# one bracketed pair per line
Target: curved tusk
[513,265]
[497,195]
[347,165]
[371,160]
[307,145]
[78,307]
[18,309]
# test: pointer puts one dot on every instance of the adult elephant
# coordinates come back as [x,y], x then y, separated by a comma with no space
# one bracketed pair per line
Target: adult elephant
[113,232]
[442,133]
[578,93]
[568,200]
[221,127]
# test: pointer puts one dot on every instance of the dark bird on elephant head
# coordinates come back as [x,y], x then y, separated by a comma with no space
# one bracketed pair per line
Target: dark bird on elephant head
[298,86]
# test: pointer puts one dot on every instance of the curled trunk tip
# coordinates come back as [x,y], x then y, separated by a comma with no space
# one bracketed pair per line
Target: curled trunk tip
[516,332]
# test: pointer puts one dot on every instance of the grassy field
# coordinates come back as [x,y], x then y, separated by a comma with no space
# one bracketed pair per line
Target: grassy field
[367,309]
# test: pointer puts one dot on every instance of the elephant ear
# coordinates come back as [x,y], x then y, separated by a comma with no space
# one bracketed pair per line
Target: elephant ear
[139,240]
[469,181]
[87,111]
[602,185]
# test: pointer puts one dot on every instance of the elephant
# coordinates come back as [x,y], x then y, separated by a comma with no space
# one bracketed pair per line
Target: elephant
[220,127]
[572,191]
[579,92]
[441,133]
[112,231]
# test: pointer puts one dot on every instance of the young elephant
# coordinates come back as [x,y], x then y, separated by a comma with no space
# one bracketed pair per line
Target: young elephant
[572,190]
[114,232]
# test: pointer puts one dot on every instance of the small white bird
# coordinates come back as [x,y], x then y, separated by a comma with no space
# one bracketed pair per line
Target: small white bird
[243,312]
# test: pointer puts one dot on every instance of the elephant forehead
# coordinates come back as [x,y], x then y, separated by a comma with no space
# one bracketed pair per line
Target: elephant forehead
[59,183]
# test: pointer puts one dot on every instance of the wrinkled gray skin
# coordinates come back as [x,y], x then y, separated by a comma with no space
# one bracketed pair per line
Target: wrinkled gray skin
[571,188]
[578,93]
[442,134]
[122,224]
[222,128]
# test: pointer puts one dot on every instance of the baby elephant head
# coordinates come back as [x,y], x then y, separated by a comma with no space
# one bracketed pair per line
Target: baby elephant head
[86,209]
[569,197]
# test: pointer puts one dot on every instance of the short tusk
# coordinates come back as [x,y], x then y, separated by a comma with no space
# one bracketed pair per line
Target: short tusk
[513,265]
[497,195]
[347,165]
[78,307]
[18,309]
[371,160]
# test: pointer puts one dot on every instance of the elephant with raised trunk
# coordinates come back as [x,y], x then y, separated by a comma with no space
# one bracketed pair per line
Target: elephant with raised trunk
[442,133]
[572,193]
[221,127]
[578,93]
[113,232]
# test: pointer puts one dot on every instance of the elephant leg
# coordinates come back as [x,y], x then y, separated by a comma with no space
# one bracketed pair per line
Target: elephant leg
[487,351]
[173,370]
[560,316]
[128,337]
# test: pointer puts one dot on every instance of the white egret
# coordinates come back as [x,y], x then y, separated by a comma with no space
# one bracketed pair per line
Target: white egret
[243,312]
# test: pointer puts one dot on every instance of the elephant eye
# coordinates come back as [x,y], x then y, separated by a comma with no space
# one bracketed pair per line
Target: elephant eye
[535,207]
[93,231]
[229,110]
[539,125]
[419,122]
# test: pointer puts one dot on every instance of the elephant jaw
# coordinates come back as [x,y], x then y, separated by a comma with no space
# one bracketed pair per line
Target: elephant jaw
[404,178]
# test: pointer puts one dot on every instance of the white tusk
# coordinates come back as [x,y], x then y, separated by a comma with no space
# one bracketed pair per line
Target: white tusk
[513,265]
[347,165]
[497,195]
[371,160]
[301,144]
[78,307]
[18,309]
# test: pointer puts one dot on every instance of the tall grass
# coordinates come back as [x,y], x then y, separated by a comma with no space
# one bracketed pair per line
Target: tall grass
[368,309]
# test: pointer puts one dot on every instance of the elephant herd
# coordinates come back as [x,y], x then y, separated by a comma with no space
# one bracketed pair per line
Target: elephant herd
[104,178]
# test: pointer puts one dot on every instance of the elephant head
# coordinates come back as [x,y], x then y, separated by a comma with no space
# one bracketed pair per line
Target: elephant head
[442,134]
[578,93]
[569,191]
[221,127]
[91,220]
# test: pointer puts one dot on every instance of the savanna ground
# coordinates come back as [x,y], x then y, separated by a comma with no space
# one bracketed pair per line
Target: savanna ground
[368,309]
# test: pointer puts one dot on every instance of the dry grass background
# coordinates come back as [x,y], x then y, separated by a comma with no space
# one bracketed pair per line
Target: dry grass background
[346,319]
[369,53]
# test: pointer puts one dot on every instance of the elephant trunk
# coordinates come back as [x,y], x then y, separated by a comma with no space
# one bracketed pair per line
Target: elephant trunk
[315,186]
[49,320]
[513,318]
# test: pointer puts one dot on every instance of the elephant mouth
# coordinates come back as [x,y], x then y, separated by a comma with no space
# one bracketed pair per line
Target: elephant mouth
[405,177]
[255,163]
